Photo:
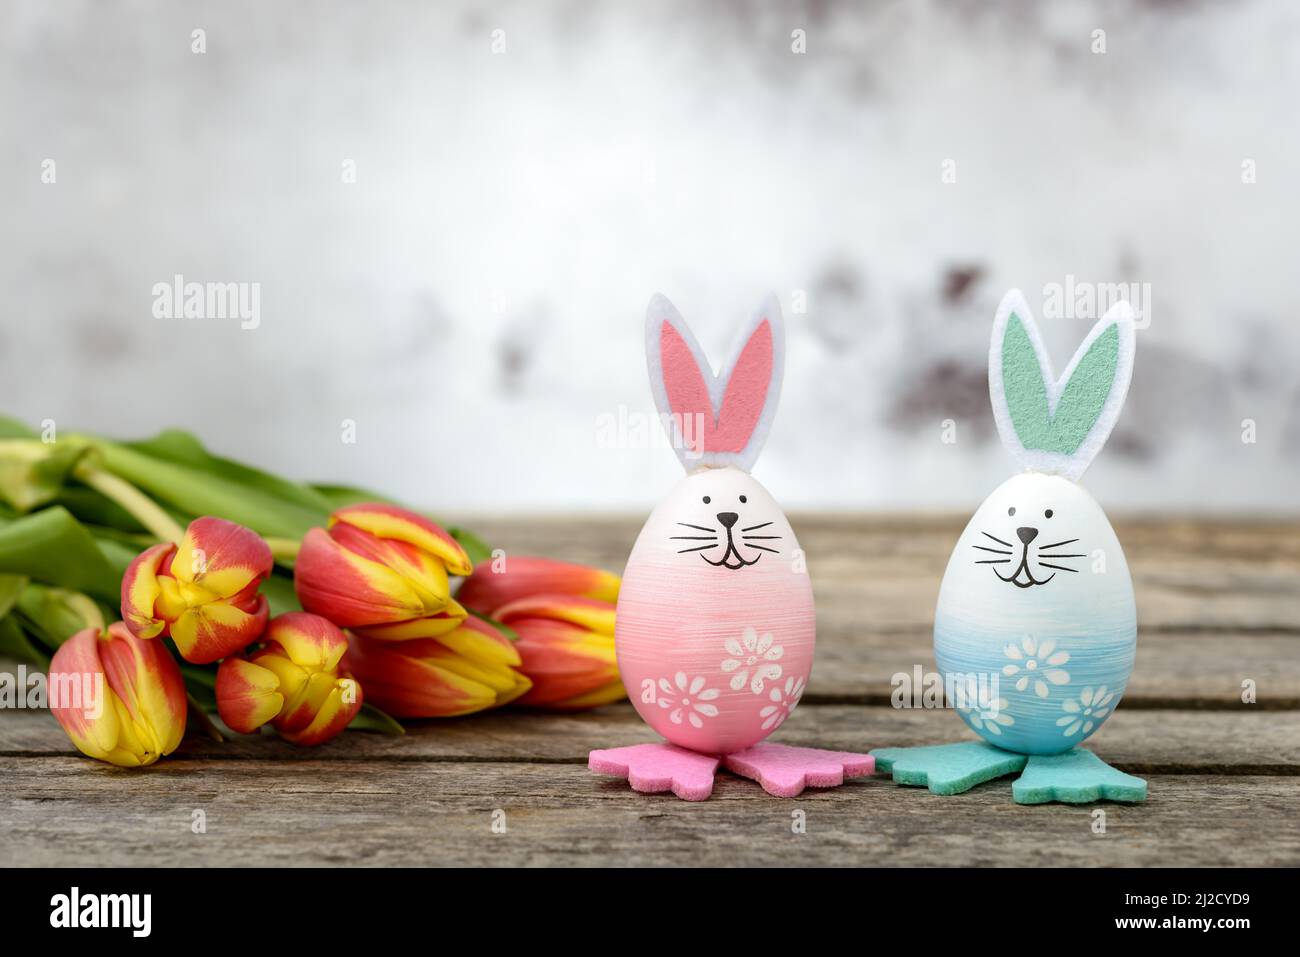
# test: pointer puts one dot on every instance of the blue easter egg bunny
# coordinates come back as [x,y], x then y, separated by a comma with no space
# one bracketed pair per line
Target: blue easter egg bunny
[1035,628]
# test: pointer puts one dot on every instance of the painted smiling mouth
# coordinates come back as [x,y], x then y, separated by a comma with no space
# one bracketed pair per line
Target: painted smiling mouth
[1030,581]
[1022,577]
[731,557]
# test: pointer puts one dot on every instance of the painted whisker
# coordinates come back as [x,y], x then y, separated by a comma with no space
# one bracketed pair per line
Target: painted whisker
[1059,568]
[754,528]
[1041,555]
[702,528]
[699,548]
[759,537]
[996,539]
[994,561]
[1068,541]
[693,538]
[763,548]
[995,551]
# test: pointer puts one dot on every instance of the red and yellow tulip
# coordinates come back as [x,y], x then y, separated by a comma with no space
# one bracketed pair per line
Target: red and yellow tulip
[466,670]
[382,572]
[294,681]
[567,646]
[202,592]
[119,698]
[509,578]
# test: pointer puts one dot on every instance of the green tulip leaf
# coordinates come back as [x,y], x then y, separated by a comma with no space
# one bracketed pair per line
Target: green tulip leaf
[200,692]
[11,589]
[201,676]
[280,595]
[183,448]
[477,549]
[32,472]
[14,643]
[119,553]
[56,614]
[340,496]
[505,629]
[196,491]
[370,718]
[13,429]
[52,547]
[92,508]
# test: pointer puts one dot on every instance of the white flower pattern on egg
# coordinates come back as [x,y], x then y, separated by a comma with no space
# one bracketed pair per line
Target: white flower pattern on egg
[1087,712]
[992,720]
[982,715]
[752,653]
[783,698]
[688,698]
[1037,663]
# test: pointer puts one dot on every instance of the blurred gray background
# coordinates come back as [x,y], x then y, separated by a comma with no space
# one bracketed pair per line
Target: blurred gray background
[473,301]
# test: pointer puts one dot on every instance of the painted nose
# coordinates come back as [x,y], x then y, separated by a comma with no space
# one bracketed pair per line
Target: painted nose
[727,519]
[1026,534]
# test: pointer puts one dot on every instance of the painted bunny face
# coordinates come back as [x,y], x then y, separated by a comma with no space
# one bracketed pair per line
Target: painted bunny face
[1032,531]
[724,518]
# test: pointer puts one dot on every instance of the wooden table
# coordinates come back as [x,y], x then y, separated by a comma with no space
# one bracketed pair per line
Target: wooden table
[1219,604]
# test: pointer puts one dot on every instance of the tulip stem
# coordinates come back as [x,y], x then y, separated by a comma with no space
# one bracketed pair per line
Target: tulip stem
[206,724]
[142,508]
[284,548]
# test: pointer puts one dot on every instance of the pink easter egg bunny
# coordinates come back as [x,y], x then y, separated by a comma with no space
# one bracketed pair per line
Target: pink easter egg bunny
[715,626]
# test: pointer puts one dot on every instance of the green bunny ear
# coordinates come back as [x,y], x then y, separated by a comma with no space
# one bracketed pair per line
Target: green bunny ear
[1023,387]
[1084,397]
[1052,425]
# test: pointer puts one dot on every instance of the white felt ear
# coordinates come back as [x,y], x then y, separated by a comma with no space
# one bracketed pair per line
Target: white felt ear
[715,419]
[1058,425]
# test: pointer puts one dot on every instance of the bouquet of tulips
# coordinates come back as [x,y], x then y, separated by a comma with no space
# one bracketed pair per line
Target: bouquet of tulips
[158,582]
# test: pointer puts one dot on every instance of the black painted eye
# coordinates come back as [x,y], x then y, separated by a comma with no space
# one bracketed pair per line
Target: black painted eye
[1047,514]
[707,500]
[1011,510]
[743,499]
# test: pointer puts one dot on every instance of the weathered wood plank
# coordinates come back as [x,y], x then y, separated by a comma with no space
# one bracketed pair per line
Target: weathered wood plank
[400,813]
[1142,742]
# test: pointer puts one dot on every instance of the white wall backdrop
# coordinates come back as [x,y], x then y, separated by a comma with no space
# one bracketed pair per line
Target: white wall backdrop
[473,301]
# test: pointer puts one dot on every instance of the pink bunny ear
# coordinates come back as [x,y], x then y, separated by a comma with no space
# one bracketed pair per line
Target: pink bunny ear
[722,419]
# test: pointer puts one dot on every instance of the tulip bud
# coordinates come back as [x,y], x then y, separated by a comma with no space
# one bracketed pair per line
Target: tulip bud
[382,572]
[512,577]
[567,647]
[120,699]
[466,670]
[203,592]
[293,680]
